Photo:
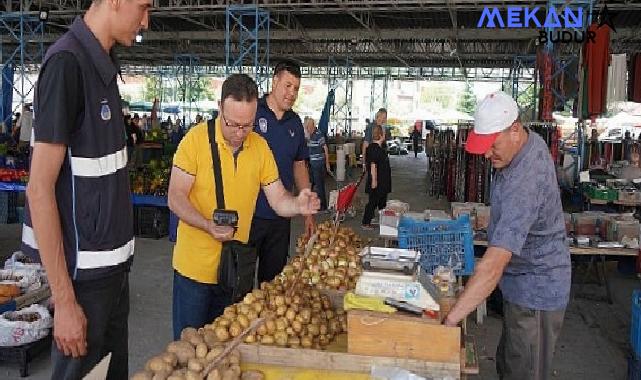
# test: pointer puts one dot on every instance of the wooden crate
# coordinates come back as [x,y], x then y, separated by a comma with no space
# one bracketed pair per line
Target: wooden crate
[401,336]
[342,361]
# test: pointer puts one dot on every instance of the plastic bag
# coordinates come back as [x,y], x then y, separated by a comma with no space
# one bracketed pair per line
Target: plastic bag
[26,279]
[395,373]
[20,261]
[24,326]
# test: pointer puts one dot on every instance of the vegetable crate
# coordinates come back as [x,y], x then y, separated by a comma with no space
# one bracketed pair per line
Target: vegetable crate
[635,327]
[443,242]
[151,221]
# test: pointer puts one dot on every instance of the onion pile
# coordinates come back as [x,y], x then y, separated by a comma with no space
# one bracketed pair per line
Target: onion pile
[300,317]
[327,267]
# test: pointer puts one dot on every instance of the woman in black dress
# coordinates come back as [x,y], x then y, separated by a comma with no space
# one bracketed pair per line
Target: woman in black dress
[379,176]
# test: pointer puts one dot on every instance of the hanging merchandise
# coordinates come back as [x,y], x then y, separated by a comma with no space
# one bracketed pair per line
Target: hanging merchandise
[546,104]
[634,80]
[617,79]
[595,61]
[551,134]
[455,174]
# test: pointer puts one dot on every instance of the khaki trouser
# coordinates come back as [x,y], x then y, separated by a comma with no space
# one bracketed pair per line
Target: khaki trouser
[526,348]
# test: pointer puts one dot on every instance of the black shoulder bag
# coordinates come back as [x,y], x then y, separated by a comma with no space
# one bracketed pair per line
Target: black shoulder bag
[237,268]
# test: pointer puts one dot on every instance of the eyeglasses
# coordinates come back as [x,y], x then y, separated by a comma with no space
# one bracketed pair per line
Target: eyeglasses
[242,128]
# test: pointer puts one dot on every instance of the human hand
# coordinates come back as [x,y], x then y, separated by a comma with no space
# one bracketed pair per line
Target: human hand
[220,233]
[374,185]
[70,329]
[308,202]
[328,168]
[310,225]
[449,321]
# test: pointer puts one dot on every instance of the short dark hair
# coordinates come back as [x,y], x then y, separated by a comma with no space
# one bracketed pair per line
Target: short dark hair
[381,110]
[240,87]
[289,66]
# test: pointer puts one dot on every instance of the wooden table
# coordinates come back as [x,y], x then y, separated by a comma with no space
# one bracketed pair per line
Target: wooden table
[594,253]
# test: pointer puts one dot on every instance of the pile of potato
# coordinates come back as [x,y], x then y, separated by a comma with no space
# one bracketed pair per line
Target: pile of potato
[334,267]
[187,358]
[300,318]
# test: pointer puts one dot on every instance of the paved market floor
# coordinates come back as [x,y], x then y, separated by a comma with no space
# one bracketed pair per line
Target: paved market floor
[593,344]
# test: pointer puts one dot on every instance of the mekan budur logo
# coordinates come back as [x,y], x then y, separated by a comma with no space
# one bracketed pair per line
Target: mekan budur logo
[564,26]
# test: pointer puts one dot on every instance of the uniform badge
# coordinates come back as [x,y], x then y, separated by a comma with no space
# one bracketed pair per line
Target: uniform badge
[105,111]
[262,124]
[292,133]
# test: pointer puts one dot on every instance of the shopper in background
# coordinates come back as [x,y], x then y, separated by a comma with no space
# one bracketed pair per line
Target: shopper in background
[78,216]
[379,176]
[416,139]
[380,120]
[284,132]
[25,124]
[526,242]
[247,166]
[318,160]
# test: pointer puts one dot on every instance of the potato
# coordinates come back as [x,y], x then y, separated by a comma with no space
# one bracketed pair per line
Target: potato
[252,315]
[267,339]
[192,375]
[222,334]
[209,336]
[314,329]
[280,325]
[170,358]
[157,364]
[297,326]
[243,309]
[290,314]
[262,329]
[258,307]
[249,299]
[143,375]
[214,374]
[214,353]
[281,337]
[258,294]
[281,310]
[223,321]
[235,329]
[251,338]
[183,350]
[306,341]
[162,375]
[230,313]
[196,340]
[293,342]
[228,374]
[201,350]
[187,333]
[243,321]
[251,375]
[279,300]
[195,365]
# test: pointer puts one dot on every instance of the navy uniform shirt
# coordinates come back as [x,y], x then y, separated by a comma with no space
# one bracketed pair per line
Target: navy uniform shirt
[527,219]
[77,104]
[286,139]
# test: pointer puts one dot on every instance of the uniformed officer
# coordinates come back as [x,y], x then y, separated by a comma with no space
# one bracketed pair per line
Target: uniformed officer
[78,218]
[283,130]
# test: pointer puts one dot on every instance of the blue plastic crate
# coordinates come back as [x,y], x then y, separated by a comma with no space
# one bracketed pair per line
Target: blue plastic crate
[442,242]
[635,326]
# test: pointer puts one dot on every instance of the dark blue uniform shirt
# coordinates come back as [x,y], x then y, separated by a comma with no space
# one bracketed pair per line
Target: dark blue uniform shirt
[286,139]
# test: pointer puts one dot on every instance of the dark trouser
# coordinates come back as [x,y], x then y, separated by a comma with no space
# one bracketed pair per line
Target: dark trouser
[526,348]
[415,148]
[196,304]
[271,239]
[318,181]
[376,200]
[105,303]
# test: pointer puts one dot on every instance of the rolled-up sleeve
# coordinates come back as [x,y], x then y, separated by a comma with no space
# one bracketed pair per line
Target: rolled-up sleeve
[519,211]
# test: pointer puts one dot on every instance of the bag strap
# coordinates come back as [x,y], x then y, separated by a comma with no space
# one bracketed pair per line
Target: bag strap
[215,156]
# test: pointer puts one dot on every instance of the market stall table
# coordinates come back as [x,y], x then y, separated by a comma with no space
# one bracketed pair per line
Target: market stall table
[593,252]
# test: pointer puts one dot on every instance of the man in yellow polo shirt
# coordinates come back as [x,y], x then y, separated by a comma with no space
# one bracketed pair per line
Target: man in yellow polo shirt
[247,165]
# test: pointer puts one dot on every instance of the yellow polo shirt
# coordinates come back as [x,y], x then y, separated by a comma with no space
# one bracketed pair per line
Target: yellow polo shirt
[197,253]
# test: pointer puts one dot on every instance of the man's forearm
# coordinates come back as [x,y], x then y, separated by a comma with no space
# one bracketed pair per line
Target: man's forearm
[48,234]
[181,206]
[478,288]
[286,205]
[301,176]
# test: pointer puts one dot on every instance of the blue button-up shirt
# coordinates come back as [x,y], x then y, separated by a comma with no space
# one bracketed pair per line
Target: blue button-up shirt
[527,219]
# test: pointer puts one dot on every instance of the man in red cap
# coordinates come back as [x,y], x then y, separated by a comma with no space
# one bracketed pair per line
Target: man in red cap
[527,255]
